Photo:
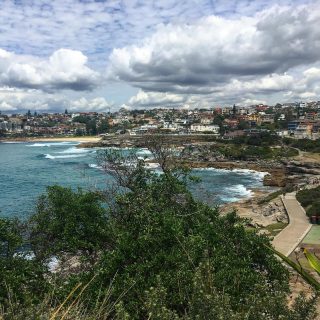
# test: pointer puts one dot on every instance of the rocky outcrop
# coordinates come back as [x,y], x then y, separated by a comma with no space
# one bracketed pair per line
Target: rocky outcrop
[276,210]
[311,168]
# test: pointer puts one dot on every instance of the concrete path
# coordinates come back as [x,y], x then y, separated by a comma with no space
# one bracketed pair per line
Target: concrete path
[289,238]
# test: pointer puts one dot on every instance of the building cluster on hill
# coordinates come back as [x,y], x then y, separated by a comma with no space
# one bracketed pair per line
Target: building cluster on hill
[300,120]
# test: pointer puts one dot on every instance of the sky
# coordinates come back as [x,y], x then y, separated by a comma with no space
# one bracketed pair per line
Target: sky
[95,55]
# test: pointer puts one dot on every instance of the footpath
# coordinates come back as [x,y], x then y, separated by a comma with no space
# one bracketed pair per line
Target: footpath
[289,238]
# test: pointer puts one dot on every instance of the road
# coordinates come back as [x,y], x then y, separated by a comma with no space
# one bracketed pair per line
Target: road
[289,238]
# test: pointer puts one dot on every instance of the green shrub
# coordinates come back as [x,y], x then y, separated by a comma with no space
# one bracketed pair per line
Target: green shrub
[314,209]
[308,196]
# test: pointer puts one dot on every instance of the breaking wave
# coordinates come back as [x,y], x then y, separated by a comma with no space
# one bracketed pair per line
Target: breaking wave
[49,156]
[49,144]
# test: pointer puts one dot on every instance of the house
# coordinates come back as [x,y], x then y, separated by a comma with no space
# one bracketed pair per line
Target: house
[214,129]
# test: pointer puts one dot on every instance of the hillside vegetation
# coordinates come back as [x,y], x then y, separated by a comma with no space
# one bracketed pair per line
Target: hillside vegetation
[144,250]
[310,200]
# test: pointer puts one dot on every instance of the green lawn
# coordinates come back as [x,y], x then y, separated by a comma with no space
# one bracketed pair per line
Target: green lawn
[311,242]
[313,236]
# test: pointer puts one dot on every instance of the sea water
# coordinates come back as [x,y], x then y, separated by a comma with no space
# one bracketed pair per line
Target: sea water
[26,169]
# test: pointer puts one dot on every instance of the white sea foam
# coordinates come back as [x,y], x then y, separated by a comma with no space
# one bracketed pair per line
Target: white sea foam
[53,264]
[144,152]
[236,193]
[12,142]
[95,166]
[49,144]
[229,199]
[241,190]
[74,150]
[258,174]
[151,165]
[49,156]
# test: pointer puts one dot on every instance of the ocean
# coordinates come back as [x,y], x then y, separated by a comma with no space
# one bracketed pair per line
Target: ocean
[26,169]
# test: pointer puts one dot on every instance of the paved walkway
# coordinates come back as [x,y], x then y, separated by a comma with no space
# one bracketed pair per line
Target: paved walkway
[289,238]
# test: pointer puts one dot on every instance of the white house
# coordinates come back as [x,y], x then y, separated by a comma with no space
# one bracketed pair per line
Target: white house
[214,129]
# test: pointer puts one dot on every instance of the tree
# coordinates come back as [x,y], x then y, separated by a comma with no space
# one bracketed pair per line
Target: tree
[155,252]
[68,223]
[103,126]
[243,125]
[91,127]
[21,280]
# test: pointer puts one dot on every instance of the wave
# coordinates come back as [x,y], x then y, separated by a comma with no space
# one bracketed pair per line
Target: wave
[144,152]
[152,165]
[12,142]
[247,172]
[49,156]
[94,166]
[229,199]
[49,144]
[74,150]
[240,189]
[236,193]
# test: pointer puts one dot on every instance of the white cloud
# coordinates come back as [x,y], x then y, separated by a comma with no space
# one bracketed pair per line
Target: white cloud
[64,69]
[5,106]
[177,52]
[96,104]
[13,99]
[146,99]
[228,58]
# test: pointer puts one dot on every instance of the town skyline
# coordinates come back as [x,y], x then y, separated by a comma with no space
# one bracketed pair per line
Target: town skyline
[105,55]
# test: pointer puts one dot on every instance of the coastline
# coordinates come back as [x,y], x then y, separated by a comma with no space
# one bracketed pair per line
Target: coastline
[261,215]
[53,139]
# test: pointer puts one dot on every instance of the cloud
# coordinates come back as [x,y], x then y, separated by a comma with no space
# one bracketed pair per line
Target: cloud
[96,104]
[302,86]
[175,51]
[259,53]
[20,100]
[147,99]
[64,69]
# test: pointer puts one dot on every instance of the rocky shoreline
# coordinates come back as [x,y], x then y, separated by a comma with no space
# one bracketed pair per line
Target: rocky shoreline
[199,152]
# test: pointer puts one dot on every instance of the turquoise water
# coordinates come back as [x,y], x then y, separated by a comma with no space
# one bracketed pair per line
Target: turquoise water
[27,168]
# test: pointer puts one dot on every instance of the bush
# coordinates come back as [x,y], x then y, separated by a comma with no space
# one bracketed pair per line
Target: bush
[158,254]
[308,196]
[22,281]
[304,144]
[68,222]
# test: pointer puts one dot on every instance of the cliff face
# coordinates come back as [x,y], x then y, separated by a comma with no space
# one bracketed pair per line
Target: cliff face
[303,167]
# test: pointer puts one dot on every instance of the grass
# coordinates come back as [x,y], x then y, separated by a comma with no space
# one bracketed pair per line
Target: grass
[271,196]
[311,242]
[313,236]
[275,228]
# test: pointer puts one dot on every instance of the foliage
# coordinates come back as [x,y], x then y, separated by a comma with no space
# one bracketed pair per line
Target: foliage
[275,194]
[252,152]
[297,267]
[155,253]
[90,122]
[68,222]
[304,144]
[259,139]
[21,280]
[162,235]
[309,199]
